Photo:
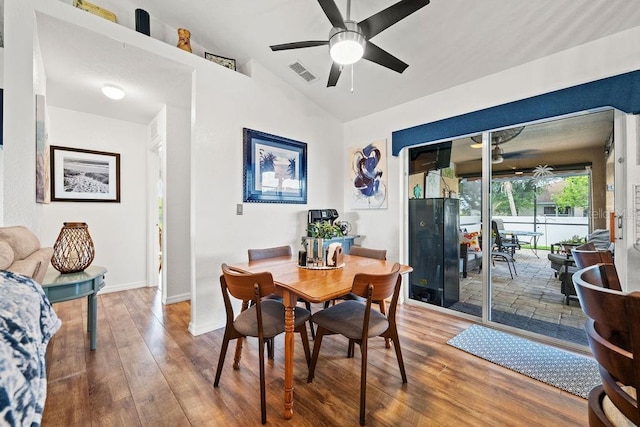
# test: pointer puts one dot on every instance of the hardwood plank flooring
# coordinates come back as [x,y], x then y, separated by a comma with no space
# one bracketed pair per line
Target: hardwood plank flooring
[149,370]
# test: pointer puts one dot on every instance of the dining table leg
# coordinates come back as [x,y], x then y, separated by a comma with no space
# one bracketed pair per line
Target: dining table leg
[289,303]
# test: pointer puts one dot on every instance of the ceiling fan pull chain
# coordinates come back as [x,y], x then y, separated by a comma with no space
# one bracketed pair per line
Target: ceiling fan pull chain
[352,67]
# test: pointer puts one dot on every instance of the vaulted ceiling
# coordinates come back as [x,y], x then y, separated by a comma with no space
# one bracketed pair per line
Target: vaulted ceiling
[446,43]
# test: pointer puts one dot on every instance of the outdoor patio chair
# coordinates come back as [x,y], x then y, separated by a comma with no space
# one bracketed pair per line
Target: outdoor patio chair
[503,245]
[613,330]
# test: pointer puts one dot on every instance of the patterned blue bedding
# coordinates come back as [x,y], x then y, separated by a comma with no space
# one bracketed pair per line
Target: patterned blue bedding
[27,322]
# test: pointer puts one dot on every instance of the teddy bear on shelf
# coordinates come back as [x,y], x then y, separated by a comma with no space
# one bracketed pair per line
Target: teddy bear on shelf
[184,39]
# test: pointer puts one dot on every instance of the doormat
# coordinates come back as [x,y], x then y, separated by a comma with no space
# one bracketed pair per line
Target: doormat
[554,330]
[567,371]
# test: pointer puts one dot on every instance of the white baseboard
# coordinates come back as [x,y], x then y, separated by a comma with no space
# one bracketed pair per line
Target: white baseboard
[121,287]
[179,298]
[203,329]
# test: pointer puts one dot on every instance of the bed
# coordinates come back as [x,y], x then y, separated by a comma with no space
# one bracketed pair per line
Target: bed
[27,323]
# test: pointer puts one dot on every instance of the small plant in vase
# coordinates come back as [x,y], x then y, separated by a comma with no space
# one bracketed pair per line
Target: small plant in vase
[324,230]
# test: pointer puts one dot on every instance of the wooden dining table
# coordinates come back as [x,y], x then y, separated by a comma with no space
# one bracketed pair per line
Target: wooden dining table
[315,285]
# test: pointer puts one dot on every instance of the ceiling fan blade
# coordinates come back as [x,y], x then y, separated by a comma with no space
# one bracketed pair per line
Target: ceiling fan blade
[333,13]
[375,54]
[389,16]
[334,74]
[298,45]
[520,154]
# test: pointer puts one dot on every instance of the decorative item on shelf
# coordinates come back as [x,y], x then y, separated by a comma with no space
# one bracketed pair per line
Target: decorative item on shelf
[221,60]
[96,10]
[345,227]
[73,250]
[184,39]
[142,22]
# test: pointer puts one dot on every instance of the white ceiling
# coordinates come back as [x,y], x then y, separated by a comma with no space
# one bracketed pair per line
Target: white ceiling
[446,43]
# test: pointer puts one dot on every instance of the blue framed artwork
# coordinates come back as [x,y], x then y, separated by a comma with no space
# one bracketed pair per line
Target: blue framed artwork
[275,168]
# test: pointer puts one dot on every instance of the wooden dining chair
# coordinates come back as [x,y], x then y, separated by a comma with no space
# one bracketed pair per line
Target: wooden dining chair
[380,254]
[613,331]
[278,251]
[264,319]
[585,258]
[358,322]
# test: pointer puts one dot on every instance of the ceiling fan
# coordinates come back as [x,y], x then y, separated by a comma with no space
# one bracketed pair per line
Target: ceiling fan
[500,137]
[349,41]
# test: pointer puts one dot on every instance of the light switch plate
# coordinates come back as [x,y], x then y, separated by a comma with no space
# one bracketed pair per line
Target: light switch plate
[239,209]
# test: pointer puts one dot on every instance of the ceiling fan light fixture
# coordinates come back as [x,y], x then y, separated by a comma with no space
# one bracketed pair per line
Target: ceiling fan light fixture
[496,155]
[346,46]
[476,145]
[112,91]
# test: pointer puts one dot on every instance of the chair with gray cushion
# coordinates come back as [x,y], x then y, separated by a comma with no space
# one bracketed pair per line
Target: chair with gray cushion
[264,319]
[358,322]
[613,330]
[275,252]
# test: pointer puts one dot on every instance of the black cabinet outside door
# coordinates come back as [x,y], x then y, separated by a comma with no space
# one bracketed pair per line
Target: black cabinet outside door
[434,250]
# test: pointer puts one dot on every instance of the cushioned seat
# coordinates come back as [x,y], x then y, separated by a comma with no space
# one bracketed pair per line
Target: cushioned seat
[357,322]
[264,319]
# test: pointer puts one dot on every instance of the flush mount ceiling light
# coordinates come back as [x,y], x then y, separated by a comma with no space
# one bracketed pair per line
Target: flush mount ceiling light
[113,92]
[346,46]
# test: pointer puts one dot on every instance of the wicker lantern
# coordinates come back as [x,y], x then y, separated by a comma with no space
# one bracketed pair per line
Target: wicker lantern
[73,250]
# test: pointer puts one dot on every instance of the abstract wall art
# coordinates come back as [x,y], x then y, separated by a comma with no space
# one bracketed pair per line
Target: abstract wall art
[368,176]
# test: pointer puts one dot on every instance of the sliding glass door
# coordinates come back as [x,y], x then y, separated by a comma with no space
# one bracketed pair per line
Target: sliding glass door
[524,195]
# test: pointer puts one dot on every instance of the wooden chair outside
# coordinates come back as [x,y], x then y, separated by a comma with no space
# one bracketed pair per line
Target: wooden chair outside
[613,330]
[358,322]
[264,319]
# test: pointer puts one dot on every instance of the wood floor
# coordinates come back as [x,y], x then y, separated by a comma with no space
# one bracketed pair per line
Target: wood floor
[149,370]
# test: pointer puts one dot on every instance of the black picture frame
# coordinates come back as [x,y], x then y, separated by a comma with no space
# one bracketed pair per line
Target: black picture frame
[275,168]
[79,175]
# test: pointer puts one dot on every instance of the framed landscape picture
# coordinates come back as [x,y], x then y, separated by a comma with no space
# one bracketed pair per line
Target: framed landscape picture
[275,168]
[84,176]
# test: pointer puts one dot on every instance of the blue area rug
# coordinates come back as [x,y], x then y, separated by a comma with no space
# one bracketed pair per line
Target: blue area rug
[567,371]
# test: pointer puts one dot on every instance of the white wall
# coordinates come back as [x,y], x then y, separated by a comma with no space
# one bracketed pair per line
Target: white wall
[603,58]
[118,230]
[225,103]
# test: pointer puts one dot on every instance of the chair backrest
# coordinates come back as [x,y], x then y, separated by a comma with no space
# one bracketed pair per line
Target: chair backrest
[605,276]
[256,254]
[368,252]
[242,285]
[384,285]
[613,330]
[586,247]
[496,232]
[585,258]
[499,224]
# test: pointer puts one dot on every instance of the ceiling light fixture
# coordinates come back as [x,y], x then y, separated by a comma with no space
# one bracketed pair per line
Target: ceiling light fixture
[113,92]
[346,46]
[496,155]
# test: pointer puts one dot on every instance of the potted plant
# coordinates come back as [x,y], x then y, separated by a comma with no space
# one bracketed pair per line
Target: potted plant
[324,230]
[318,232]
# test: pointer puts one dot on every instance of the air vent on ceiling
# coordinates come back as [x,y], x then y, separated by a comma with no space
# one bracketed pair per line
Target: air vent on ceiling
[302,71]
